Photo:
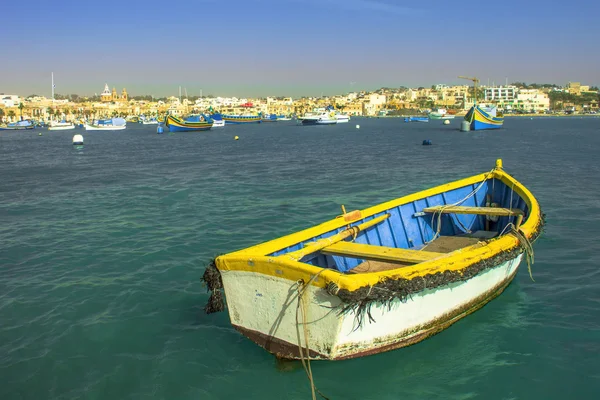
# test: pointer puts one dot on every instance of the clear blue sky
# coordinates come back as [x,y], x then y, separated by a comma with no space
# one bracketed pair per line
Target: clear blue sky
[291,47]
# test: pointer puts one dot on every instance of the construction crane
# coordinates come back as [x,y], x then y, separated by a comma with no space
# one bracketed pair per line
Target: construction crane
[475,82]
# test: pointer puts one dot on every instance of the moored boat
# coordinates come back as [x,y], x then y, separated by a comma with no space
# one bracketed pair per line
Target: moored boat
[60,125]
[341,118]
[17,126]
[416,119]
[192,123]
[109,124]
[384,277]
[481,118]
[321,116]
[217,120]
[283,118]
[269,118]
[241,119]
[440,113]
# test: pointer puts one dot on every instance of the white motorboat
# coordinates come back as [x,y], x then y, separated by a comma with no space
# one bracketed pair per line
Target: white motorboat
[111,124]
[60,126]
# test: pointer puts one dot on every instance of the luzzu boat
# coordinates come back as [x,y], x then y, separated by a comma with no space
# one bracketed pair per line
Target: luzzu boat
[481,118]
[381,278]
[241,119]
[193,123]
[17,126]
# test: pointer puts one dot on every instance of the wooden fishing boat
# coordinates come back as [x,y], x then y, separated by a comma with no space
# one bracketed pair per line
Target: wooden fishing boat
[482,118]
[193,123]
[381,278]
[241,119]
[17,126]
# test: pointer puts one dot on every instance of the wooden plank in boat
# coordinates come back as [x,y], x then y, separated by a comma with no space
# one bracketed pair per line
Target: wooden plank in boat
[448,244]
[379,253]
[503,212]
[376,266]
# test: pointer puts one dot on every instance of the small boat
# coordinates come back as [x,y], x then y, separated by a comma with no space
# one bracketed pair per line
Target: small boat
[192,123]
[109,124]
[283,118]
[217,120]
[149,121]
[381,278]
[440,113]
[416,119]
[341,118]
[241,119]
[60,125]
[269,118]
[481,118]
[17,126]
[325,116]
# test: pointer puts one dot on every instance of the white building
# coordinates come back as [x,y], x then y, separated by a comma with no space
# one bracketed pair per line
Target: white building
[500,93]
[9,100]
[532,100]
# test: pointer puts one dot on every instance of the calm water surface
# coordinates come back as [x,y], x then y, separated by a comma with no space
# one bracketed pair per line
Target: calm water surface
[101,251]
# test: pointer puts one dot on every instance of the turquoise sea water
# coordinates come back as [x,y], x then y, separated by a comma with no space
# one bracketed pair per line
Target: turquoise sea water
[101,251]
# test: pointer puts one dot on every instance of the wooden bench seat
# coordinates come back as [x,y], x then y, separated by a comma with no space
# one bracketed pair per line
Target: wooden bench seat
[501,212]
[379,253]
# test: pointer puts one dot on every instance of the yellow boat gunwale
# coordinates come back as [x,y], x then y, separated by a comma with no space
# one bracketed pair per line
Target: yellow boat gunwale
[255,259]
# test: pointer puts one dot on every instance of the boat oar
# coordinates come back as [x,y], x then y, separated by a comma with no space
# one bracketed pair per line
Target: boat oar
[320,244]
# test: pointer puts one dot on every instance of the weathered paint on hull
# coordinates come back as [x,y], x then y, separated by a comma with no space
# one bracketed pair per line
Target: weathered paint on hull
[263,308]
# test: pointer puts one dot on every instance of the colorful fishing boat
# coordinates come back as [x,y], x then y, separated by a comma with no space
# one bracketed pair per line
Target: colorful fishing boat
[217,120]
[269,118]
[481,118]
[241,119]
[381,278]
[17,126]
[192,123]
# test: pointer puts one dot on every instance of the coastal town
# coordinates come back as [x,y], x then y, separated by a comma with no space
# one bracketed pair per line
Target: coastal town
[516,98]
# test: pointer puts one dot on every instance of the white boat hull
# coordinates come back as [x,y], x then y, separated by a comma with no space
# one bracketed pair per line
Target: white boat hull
[263,308]
[218,124]
[104,127]
[61,127]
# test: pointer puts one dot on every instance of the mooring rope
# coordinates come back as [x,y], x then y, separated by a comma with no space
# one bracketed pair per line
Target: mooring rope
[302,287]
[438,213]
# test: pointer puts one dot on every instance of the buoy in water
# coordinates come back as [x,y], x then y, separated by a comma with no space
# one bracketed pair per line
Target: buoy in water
[357,126]
[40,134]
[427,142]
[77,140]
[446,122]
[236,137]
[159,129]
[465,126]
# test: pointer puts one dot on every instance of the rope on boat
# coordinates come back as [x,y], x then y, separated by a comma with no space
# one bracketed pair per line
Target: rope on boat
[438,213]
[302,287]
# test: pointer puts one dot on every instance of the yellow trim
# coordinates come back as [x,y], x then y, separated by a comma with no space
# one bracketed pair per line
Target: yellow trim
[254,259]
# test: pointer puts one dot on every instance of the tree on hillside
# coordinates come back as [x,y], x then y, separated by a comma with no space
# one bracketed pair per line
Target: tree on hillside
[21,106]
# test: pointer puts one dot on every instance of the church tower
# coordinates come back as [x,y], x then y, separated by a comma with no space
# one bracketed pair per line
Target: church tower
[106,95]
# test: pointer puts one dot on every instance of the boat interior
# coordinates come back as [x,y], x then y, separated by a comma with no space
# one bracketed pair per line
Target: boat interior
[415,232]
